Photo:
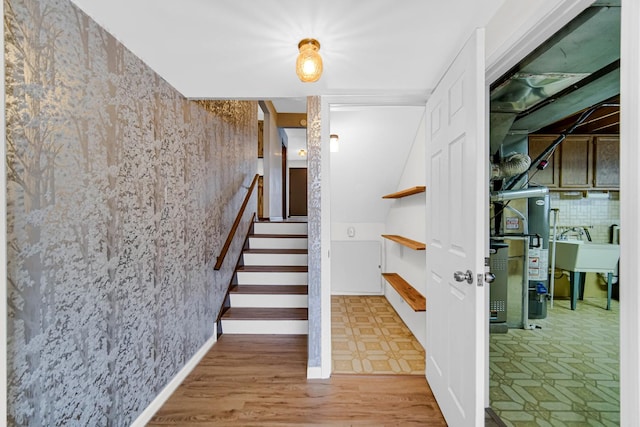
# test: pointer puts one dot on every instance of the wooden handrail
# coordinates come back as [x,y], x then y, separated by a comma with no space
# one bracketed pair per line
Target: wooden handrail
[234,227]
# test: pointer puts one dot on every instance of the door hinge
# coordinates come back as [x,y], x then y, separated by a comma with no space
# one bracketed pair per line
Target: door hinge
[480,280]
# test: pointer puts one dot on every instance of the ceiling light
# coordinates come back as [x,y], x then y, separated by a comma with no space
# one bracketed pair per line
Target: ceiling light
[302,152]
[333,143]
[309,63]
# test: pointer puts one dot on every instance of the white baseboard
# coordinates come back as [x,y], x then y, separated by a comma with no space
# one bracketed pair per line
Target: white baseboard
[314,373]
[168,390]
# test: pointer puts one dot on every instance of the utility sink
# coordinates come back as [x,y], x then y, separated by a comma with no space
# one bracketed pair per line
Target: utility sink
[576,255]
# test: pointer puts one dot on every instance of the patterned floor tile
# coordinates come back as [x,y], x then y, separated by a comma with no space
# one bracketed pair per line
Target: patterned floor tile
[383,344]
[564,373]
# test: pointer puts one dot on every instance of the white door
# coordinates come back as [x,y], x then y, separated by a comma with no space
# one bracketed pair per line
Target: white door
[457,205]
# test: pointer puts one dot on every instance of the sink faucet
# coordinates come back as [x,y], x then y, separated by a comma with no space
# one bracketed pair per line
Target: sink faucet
[579,231]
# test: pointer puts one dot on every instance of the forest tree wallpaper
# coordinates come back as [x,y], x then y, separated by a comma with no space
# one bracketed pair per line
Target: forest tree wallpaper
[120,195]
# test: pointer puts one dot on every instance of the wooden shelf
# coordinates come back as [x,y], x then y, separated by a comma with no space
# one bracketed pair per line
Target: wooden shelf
[417,246]
[406,192]
[414,298]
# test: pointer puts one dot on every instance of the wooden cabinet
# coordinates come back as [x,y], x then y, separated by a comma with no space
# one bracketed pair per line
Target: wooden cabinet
[580,162]
[550,176]
[607,162]
[576,163]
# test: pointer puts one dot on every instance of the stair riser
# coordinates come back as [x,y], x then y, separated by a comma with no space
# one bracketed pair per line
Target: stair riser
[271,278]
[280,228]
[280,301]
[274,259]
[278,242]
[271,327]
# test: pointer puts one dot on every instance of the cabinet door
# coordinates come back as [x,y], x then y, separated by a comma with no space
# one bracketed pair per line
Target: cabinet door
[576,163]
[607,162]
[549,176]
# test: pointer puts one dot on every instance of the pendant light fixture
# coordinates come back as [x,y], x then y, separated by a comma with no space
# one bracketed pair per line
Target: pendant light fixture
[309,62]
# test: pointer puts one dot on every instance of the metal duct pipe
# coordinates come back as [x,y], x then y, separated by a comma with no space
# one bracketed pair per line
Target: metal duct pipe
[500,196]
[512,165]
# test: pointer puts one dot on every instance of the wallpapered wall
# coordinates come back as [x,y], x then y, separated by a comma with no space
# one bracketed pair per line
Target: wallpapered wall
[120,195]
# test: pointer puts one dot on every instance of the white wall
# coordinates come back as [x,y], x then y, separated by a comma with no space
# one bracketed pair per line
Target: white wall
[406,217]
[272,164]
[356,258]
[375,142]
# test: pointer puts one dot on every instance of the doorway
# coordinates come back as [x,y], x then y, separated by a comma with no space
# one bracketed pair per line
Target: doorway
[297,191]
[541,367]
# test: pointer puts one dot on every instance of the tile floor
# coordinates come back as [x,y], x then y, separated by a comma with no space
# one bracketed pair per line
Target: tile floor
[368,337]
[564,374]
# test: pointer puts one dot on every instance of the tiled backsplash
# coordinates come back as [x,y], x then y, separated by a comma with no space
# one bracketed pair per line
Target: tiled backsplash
[596,213]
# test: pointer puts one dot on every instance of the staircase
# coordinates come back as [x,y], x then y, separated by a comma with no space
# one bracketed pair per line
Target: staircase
[270,296]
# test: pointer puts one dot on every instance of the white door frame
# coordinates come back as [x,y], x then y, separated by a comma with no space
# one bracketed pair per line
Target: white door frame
[629,208]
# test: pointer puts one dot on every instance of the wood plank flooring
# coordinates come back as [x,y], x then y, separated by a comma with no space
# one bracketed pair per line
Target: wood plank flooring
[265,313]
[261,380]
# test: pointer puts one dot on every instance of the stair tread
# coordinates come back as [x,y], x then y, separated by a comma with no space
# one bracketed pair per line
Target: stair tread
[275,251]
[260,313]
[273,268]
[270,289]
[271,236]
[289,221]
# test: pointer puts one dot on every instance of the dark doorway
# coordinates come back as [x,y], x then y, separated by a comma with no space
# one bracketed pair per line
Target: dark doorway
[298,192]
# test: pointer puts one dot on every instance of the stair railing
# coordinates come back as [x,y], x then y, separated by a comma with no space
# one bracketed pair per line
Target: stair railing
[234,227]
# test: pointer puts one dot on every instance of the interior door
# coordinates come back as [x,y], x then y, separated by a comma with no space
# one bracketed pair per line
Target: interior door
[298,192]
[457,205]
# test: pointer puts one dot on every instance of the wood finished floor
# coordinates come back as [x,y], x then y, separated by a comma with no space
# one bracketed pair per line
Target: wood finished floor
[250,380]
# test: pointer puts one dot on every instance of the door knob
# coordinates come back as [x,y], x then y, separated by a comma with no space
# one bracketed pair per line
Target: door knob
[489,277]
[459,276]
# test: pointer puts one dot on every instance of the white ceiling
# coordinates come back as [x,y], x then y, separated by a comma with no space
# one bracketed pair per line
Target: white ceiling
[230,49]
[384,55]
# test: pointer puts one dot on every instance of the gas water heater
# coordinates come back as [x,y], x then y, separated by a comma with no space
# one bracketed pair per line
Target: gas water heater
[538,263]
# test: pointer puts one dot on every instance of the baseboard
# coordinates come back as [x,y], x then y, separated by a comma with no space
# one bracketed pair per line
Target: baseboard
[314,373]
[168,390]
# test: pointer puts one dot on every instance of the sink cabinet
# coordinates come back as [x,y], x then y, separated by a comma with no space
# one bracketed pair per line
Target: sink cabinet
[579,258]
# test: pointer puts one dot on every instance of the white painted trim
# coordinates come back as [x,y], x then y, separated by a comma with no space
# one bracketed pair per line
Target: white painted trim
[629,208]
[3,245]
[265,327]
[269,300]
[539,26]
[325,242]
[271,278]
[314,373]
[171,387]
